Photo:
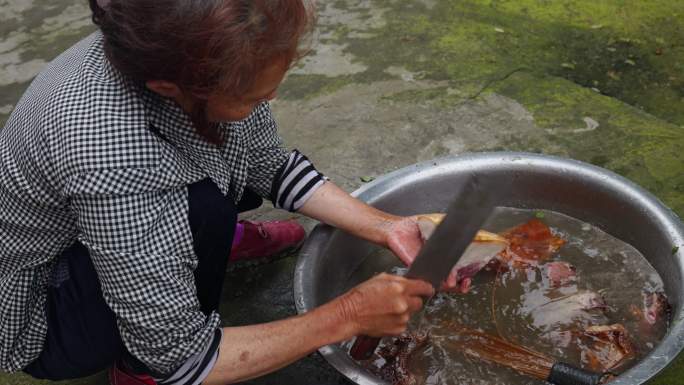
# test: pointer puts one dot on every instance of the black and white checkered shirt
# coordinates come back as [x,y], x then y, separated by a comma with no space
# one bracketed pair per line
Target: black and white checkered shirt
[87,155]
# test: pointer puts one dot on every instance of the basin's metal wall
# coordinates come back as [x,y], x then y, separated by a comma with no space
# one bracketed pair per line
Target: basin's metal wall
[330,257]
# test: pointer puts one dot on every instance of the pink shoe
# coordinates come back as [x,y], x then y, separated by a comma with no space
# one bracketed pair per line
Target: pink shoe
[119,376]
[266,239]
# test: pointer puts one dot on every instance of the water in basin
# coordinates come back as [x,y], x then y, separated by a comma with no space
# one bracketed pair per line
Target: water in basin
[522,306]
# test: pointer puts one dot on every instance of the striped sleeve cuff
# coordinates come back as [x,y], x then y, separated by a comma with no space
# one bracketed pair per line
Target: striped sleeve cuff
[295,182]
[197,368]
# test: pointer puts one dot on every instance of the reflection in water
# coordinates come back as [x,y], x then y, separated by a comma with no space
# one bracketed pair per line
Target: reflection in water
[595,303]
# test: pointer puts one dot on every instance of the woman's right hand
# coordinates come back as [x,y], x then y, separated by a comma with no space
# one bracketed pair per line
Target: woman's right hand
[378,307]
[382,305]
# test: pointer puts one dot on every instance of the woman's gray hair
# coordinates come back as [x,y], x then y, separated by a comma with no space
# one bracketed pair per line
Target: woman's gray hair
[205,47]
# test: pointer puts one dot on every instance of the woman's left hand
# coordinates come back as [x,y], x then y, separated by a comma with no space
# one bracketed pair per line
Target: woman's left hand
[404,239]
[332,205]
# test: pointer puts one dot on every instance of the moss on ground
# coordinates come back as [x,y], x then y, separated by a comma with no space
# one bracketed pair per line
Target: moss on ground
[305,87]
[571,63]
[630,50]
[627,140]
[618,63]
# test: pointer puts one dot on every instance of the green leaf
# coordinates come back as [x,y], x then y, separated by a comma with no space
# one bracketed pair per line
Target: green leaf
[569,66]
[630,62]
[366,179]
[675,250]
[539,214]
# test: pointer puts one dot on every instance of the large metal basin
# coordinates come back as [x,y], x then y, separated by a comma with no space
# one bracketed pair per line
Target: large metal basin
[330,257]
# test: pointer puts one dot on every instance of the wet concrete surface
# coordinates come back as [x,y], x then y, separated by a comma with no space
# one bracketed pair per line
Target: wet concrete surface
[389,83]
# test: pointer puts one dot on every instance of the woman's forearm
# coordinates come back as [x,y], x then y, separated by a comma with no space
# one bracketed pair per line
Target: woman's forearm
[380,306]
[334,206]
[251,351]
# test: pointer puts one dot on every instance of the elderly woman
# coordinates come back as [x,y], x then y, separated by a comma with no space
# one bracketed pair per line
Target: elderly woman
[123,169]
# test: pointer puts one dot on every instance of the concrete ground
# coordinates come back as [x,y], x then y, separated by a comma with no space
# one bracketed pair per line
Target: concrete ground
[392,82]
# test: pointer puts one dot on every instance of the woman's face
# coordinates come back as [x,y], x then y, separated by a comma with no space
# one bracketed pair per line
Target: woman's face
[222,108]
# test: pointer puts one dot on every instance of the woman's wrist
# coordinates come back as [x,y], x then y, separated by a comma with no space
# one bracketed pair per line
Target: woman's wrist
[334,206]
[339,316]
[385,225]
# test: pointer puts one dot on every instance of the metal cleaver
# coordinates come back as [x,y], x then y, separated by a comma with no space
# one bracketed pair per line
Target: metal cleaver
[464,217]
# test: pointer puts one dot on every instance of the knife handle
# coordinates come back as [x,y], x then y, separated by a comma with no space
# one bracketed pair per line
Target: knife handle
[564,374]
[364,347]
